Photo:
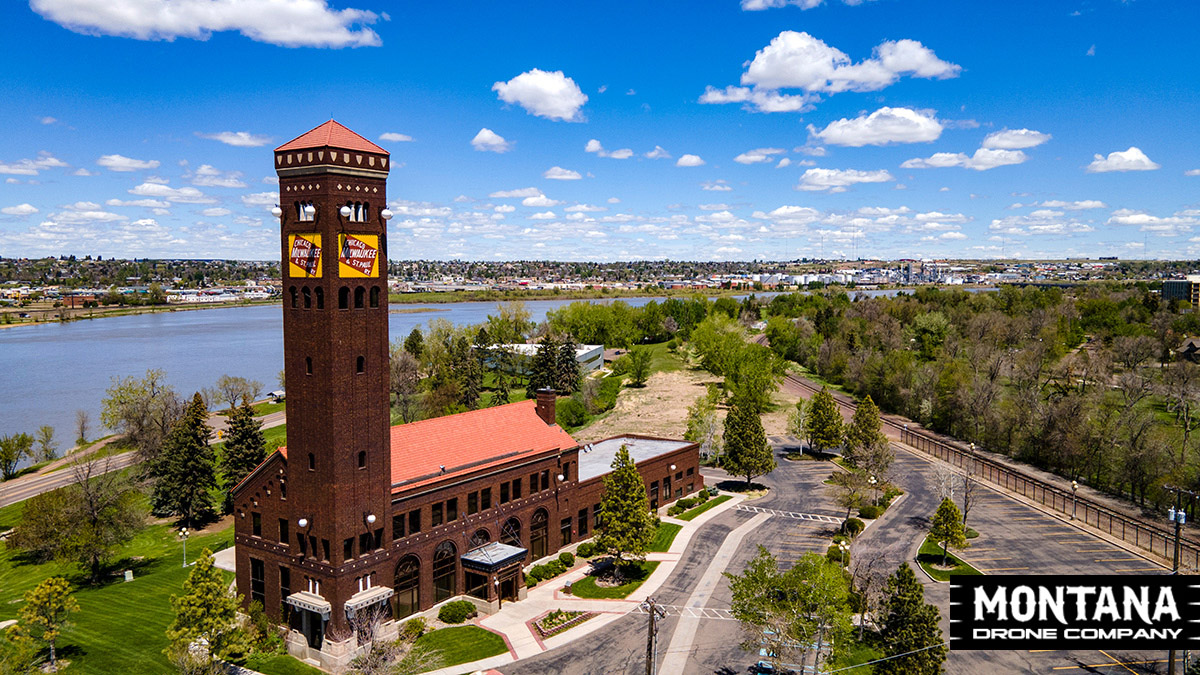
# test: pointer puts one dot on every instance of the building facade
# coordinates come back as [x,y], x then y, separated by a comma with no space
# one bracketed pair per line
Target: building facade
[355,520]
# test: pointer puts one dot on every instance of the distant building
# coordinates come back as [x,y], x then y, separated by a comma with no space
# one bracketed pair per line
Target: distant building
[1187,290]
[590,357]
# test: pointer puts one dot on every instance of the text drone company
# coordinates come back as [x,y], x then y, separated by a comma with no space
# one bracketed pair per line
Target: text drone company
[1068,612]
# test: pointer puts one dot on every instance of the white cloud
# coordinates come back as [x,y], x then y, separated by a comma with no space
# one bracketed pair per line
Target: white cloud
[585,208]
[395,137]
[837,180]
[19,210]
[489,141]
[187,195]
[690,160]
[544,215]
[31,167]
[882,127]
[716,186]
[514,194]
[559,173]
[540,201]
[141,203]
[952,235]
[258,198]
[614,200]
[83,172]
[288,23]
[714,207]
[786,161]
[982,160]
[210,176]
[1192,172]
[1082,205]
[238,139]
[658,153]
[1015,139]
[216,212]
[1132,159]
[758,156]
[594,146]
[48,120]
[123,163]
[623,153]
[505,208]
[552,95]
[758,5]
[796,60]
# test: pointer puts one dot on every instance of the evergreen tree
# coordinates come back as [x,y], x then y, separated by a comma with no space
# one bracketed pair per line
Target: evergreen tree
[46,612]
[543,367]
[863,431]
[639,365]
[910,624]
[415,343]
[823,422]
[747,452]
[947,527]
[626,524]
[567,367]
[468,371]
[245,448]
[206,611]
[185,473]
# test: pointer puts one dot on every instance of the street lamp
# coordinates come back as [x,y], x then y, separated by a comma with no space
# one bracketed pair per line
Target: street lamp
[843,547]
[874,489]
[183,532]
[1074,503]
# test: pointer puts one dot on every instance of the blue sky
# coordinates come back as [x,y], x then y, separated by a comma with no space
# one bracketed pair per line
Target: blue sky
[768,129]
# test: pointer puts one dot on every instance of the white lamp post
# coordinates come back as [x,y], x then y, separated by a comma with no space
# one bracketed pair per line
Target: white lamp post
[183,532]
[843,547]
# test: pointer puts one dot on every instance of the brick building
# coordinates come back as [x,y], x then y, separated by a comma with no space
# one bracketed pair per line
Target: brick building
[356,519]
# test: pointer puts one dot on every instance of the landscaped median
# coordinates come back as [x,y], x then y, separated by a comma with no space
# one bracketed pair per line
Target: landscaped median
[634,573]
[712,503]
[462,644]
[930,560]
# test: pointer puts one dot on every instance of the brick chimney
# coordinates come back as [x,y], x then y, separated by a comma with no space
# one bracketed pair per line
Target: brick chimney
[545,405]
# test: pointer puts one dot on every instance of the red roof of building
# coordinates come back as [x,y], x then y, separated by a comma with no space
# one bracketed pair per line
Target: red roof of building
[471,441]
[332,135]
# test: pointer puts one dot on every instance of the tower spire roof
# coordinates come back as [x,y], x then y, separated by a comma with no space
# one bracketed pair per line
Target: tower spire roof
[333,135]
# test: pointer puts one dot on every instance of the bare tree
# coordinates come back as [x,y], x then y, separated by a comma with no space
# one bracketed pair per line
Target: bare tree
[83,424]
[404,381]
[944,480]
[389,657]
[869,574]
[233,390]
[969,491]
[1181,387]
[1133,351]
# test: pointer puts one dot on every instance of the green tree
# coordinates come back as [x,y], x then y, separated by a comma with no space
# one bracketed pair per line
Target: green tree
[543,367]
[405,382]
[13,449]
[567,367]
[947,527]
[144,410]
[18,655]
[47,447]
[233,390]
[206,611]
[156,295]
[718,341]
[823,422]
[747,452]
[415,343]
[626,524]
[910,633]
[47,611]
[863,431]
[185,474]
[639,366]
[245,449]
[703,427]
[754,377]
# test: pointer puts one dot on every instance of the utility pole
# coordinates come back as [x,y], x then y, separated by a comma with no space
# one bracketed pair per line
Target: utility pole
[656,613]
[1177,515]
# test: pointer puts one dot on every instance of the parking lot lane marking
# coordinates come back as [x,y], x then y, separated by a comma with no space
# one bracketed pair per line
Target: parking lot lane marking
[990,559]
[1118,661]
[1095,550]
[1028,518]
[1104,665]
[1140,569]
[1117,560]
[1003,569]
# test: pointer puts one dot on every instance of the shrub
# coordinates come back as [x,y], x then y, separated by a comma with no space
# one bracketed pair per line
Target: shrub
[835,555]
[675,510]
[567,559]
[456,611]
[570,412]
[853,526]
[889,494]
[870,512]
[412,629]
[530,581]
[586,550]
[672,345]
[621,365]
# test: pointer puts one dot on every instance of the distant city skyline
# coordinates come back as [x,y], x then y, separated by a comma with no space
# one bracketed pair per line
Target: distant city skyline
[759,129]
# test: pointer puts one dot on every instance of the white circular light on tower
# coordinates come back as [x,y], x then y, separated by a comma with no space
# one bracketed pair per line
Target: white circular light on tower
[310,210]
[277,212]
[560,477]
[371,519]
[345,211]
[303,522]
[672,467]
[386,214]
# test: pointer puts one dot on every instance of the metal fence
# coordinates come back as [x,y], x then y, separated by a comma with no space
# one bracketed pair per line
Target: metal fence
[1159,541]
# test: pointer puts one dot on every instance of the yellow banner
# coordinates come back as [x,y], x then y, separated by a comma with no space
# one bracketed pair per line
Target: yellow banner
[358,255]
[304,255]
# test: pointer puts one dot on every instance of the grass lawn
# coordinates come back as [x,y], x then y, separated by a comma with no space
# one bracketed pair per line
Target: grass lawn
[267,408]
[587,588]
[662,359]
[857,652]
[121,627]
[463,644]
[693,512]
[663,536]
[931,554]
[280,664]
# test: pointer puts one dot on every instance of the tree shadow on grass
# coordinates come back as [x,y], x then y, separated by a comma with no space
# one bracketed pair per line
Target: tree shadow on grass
[736,485]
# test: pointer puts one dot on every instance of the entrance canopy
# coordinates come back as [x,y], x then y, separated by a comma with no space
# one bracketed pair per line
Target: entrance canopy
[492,557]
[312,602]
[363,599]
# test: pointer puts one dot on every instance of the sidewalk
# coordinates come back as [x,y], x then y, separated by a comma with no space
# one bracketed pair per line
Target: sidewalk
[511,622]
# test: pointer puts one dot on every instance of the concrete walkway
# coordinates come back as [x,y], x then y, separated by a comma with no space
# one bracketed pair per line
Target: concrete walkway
[513,620]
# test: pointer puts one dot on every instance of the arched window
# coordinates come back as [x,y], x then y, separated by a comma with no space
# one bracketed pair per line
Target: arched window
[320,297]
[407,586]
[539,537]
[299,210]
[360,366]
[445,571]
[344,297]
[308,365]
[295,297]
[374,296]
[362,459]
[360,295]
[480,538]
[307,297]
[312,462]
[511,532]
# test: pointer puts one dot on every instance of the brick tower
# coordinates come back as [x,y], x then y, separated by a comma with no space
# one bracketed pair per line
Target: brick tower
[333,196]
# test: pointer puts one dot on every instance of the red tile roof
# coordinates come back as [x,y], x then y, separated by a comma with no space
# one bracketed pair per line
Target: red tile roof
[471,441]
[333,135]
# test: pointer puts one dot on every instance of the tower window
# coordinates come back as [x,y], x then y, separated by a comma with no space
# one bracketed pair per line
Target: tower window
[320,297]
[305,211]
[359,297]
[360,366]
[308,365]
[362,459]
[312,462]
[295,296]
[307,297]
[374,296]
[344,298]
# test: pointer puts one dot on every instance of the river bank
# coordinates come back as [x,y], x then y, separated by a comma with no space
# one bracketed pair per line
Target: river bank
[52,315]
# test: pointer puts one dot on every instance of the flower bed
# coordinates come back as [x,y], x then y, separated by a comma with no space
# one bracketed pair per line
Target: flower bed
[557,621]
